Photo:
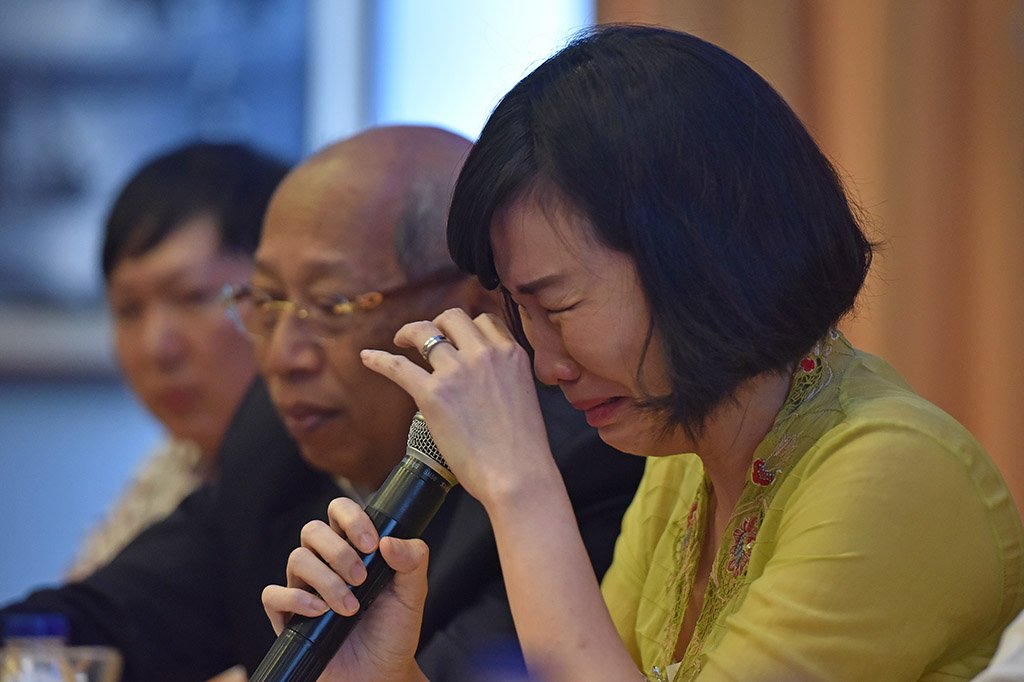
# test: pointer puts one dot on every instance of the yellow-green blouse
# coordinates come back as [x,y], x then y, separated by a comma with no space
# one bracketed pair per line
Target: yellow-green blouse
[874,540]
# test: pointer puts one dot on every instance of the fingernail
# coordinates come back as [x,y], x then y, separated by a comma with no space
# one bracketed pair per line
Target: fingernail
[367,543]
[351,603]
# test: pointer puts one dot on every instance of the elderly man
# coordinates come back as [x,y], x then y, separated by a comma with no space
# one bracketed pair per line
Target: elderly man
[352,247]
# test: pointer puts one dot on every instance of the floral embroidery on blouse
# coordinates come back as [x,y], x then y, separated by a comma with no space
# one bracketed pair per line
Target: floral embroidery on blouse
[690,519]
[686,556]
[764,470]
[775,456]
[743,537]
[813,372]
[760,474]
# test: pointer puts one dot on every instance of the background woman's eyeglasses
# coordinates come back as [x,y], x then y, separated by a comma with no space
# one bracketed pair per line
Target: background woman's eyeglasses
[257,313]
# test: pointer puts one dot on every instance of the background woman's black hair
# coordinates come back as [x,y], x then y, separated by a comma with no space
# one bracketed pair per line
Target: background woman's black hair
[231,182]
[677,153]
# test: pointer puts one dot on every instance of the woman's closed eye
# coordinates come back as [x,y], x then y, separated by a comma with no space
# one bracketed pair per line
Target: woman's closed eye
[559,309]
[550,312]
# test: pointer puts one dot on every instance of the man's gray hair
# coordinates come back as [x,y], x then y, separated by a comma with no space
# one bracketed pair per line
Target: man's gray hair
[420,244]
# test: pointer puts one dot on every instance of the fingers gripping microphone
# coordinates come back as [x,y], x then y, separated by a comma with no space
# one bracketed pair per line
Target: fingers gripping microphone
[402,507]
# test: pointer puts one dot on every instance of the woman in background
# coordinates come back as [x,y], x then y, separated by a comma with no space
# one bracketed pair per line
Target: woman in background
[678,254]
[185,225]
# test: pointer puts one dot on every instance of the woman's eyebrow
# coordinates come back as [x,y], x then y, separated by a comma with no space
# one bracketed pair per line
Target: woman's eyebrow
[533,286]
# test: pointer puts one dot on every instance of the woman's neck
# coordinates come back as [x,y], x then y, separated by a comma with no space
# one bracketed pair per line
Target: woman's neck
[733,433]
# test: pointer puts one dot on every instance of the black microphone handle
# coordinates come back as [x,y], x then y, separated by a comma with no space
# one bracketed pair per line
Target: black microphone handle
[412,494]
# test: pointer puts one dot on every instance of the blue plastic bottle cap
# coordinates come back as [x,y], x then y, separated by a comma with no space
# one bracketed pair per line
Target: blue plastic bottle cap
[35,625]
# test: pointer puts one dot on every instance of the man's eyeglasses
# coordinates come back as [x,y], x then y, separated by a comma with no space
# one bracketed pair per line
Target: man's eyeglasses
[257,313]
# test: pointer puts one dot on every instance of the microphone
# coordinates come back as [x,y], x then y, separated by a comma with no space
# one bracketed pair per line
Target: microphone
[402,508]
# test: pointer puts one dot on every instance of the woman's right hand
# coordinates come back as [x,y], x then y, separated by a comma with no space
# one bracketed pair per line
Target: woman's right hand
[479,398]
[383,644]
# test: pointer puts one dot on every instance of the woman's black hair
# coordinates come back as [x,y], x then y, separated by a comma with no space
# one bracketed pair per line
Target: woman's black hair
[230,182]
[680,155]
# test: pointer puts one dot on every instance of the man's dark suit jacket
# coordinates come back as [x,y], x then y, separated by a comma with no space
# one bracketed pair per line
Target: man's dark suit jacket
[182,601]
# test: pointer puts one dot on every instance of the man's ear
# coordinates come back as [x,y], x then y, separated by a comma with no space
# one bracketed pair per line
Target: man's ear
[473,298]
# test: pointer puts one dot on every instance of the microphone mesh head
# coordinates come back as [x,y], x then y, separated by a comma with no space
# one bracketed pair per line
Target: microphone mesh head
[421,442]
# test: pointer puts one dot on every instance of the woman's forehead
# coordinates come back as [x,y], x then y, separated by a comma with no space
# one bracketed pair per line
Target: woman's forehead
[533,240]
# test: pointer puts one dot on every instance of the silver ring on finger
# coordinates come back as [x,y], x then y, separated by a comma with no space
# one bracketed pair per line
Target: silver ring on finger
[432,343]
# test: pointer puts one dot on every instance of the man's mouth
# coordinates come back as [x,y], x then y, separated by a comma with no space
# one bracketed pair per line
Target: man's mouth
[305,418]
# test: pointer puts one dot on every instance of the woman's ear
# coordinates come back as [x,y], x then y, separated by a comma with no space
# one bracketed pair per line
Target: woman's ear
[473,298]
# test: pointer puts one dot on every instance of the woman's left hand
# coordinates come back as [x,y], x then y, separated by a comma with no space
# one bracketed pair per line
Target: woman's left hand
[383,644]
[479,402]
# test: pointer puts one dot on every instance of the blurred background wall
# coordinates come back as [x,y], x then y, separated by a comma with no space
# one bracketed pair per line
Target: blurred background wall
[921,104]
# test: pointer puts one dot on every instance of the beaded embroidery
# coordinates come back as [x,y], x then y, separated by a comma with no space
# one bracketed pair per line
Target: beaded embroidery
[657,675]
[742,544]
[690,518]
[686,556]
[813,372]
[728,572]
[764,470]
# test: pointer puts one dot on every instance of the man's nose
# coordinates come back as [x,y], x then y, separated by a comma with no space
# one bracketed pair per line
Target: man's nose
[164,338]
[289,348]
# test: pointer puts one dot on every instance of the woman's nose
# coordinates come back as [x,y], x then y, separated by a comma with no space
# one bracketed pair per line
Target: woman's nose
[552,363]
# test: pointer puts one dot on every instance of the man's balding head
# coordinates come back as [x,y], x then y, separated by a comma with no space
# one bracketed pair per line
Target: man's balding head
[363,215]
[389,184]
